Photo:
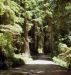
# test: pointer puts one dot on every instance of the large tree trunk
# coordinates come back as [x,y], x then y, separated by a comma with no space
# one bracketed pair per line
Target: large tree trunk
[51,38]
[48,46]
[26,39]
[35,39]
[34,42]
[46,43]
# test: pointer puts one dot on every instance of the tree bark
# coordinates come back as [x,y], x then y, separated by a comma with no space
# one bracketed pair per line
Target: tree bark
[34,42]
[26,38]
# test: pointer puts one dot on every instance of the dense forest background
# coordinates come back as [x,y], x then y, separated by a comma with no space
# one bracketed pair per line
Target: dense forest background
[32,27]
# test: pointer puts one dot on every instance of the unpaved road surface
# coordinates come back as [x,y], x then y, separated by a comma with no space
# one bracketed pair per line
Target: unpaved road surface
[37,69]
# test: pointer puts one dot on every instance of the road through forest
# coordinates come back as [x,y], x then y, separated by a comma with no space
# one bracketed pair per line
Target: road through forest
[37,67]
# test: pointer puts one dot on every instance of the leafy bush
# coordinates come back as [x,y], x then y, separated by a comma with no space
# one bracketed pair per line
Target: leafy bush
[64,57]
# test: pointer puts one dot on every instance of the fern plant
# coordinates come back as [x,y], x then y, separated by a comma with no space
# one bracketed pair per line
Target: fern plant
[10,21]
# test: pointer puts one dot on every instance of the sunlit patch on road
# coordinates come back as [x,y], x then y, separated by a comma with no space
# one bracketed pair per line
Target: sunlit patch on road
[44,62]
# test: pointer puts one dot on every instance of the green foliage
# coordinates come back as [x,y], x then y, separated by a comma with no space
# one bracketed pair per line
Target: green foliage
[10,21]
[15,7]
[10,12]
[6,44]
[61,62]
[64,57]
[3,40]
[16,29]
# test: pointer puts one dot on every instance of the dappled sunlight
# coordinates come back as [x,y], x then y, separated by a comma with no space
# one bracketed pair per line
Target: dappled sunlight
[44,62]
[35,37]
[24,57]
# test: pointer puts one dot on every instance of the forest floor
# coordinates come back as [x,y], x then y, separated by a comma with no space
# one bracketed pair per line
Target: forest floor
[37,67]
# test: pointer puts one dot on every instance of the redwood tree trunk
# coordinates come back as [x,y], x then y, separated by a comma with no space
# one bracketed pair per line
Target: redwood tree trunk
[26,41]
[34,42]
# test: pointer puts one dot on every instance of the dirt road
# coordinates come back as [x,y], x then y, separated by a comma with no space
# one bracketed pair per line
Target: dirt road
[37,69]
